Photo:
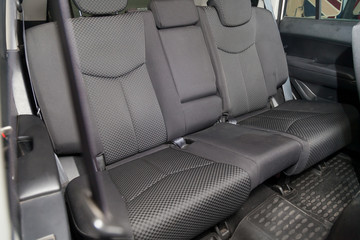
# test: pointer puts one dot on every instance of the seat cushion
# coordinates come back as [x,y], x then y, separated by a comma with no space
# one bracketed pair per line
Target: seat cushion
[326,127]
[173,194]
[269,152]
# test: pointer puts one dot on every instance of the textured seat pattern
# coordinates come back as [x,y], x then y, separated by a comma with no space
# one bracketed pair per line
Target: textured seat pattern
[194,85]
[250,64]
[170,194]
[121,95]
[187,71]
[325,127]
[247,78]
[269,152]
[176,195]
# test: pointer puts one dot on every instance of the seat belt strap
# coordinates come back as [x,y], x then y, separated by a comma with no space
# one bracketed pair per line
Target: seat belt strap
[38,110]
[288,95]
[63,177]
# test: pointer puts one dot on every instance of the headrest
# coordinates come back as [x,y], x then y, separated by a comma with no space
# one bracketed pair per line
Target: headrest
[98,7]
[232,12]
[174,13]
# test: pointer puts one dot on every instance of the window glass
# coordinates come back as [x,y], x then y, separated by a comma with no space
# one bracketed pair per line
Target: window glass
[330,9]
[296,8]
[340,9]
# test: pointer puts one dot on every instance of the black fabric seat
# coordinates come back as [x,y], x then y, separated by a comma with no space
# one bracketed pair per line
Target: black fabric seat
[169,193]
[250,65]
[268,152]
[172,194]
[324,127]
[150,79]
[186,87]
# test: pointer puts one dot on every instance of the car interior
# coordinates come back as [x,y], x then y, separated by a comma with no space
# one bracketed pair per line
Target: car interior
[180,119]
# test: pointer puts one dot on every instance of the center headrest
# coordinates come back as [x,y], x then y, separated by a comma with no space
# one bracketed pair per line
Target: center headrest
[174,13]
[98,7]
[232,12]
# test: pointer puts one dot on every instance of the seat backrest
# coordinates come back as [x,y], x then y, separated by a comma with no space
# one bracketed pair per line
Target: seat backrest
[191,78]
[246,48]
[112,56]
[48,76]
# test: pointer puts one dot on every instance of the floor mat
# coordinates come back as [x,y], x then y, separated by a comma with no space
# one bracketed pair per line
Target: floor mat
[326,196]
[309,211]
[278,218]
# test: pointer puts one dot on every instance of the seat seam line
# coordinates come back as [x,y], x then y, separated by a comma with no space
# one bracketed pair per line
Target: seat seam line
[302,119]
[184,170]
[131,116]
[221,49]
[119,76]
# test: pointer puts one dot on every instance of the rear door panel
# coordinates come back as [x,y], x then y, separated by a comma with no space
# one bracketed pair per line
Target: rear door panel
[320,59]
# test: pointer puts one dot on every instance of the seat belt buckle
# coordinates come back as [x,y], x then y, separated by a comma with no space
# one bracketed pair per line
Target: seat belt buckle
[232,121]
[179,142]
[273,102]
[223,231]
[224,118]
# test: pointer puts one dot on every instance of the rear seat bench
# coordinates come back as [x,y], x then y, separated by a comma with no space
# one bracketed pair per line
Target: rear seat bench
[250,66]
[169,193]
[186,87]
[150,79]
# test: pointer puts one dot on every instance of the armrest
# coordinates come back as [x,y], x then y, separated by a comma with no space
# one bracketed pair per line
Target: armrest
[319,73]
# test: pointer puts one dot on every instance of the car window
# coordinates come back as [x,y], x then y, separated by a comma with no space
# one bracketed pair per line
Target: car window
[330,9]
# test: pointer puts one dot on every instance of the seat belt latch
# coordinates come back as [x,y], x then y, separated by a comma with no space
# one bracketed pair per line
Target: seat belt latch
[223,231]
[232,121]
[273,102]
[224,118]
[179,142]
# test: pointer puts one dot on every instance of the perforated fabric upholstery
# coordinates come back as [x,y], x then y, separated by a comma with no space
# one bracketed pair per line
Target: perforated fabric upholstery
[170,194]
[251,60]
[112,59]
[104,43]
[176,195]
[96,7]
[48,75]
[194,86]
[325,127]
[186,82]
[251,65]
[267,152]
